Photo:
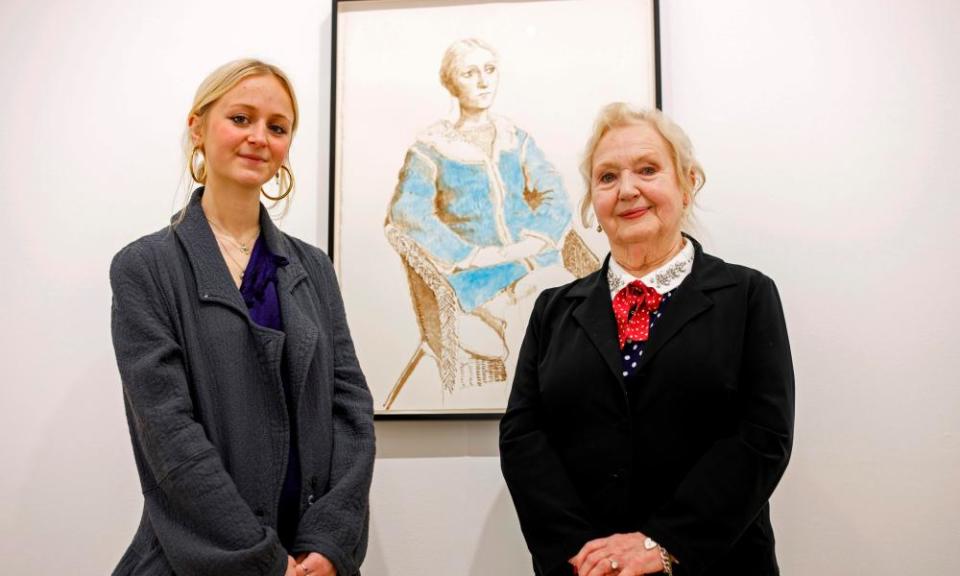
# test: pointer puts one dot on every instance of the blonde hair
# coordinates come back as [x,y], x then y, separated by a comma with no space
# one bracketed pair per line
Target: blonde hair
[218,83]
[452,57]
[619,114]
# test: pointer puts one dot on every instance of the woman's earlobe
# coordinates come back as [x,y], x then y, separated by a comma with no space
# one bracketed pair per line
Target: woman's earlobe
[194,125]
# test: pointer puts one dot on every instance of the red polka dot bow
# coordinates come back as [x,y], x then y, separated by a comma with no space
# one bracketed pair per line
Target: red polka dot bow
[632,307]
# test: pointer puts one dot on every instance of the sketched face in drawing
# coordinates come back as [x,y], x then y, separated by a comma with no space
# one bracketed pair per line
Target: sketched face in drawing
[481,221]
[476,79]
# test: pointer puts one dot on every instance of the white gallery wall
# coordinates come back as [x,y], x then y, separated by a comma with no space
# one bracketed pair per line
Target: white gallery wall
[828,131]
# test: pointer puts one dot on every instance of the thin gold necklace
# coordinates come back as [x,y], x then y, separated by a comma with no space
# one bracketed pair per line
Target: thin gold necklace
[242,269]
[244,247]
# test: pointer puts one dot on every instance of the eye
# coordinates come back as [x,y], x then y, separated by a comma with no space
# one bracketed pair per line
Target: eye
[467,74]
[278,129]
[607,178]
[647,170]
[240,119]
[490,69]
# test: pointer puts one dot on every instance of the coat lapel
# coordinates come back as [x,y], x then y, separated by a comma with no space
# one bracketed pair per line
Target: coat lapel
[691,299]
[596,318]
[214,284]
[298,323]
[595,315]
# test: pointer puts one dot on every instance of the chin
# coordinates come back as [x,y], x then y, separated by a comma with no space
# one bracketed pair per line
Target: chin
[635,234]
[482,104]
[252,179]
[249,183]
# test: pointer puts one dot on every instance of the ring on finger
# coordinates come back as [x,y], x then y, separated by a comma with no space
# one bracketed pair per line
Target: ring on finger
[614,565]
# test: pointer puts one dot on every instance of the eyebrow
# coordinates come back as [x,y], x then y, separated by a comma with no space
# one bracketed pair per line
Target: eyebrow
[480,65]
[651,155]
[249,107]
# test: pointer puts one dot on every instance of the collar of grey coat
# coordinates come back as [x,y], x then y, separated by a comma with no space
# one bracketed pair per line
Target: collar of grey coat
[595,313]
[215,285]
[213,277]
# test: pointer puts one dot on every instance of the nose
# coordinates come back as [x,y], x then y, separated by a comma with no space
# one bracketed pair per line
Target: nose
[629,185]
[483,80]
[257,134]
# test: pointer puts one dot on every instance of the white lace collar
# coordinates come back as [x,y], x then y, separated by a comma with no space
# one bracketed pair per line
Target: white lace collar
[444,138]
[663,279]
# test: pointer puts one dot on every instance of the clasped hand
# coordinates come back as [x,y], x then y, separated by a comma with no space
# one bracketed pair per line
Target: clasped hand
[621,554]
[312,564]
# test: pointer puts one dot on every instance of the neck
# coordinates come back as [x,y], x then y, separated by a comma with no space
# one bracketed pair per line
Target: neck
[642,259]
[471,118]
[235,210]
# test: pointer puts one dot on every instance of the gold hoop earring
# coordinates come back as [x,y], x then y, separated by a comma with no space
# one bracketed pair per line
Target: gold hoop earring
[290,182]
[199,174]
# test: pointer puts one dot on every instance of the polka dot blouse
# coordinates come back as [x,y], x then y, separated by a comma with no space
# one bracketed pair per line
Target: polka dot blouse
[666,281]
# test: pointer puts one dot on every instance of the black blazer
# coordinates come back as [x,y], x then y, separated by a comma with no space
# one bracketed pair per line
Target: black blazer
[688,451]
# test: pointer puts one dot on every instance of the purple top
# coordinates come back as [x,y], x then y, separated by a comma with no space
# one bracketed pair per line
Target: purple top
[259,286]
[259,291]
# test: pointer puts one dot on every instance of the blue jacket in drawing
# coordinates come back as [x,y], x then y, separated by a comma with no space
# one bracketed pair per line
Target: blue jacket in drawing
[453,199]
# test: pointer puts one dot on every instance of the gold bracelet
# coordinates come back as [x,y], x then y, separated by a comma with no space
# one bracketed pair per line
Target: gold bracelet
[667,561]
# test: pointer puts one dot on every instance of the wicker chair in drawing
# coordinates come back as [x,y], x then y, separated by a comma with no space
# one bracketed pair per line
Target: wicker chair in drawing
[436,308]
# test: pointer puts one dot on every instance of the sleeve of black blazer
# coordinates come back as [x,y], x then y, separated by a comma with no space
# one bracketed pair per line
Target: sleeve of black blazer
[723,493]
[551,514]
[203,524]
[336,524]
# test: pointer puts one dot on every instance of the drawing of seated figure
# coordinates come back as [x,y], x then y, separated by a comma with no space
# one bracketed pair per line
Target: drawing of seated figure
[480,200]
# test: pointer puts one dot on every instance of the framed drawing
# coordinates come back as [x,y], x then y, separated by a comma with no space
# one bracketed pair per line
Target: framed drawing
[457,128]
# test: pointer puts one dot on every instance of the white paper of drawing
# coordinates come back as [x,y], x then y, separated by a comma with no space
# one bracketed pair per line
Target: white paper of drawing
[558,63]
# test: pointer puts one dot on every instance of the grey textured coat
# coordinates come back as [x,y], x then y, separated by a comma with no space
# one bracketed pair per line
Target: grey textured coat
[207,414]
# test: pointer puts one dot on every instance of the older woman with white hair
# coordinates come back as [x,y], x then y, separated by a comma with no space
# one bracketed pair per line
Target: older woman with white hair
[651,416]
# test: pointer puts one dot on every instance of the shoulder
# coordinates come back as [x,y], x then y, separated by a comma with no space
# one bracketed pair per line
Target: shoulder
[567,296]
[739,271]
[147,254]
[440,130]
[436,138]
[749,280]
[315,260]
[509,135]
[142,275]
[505,125]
